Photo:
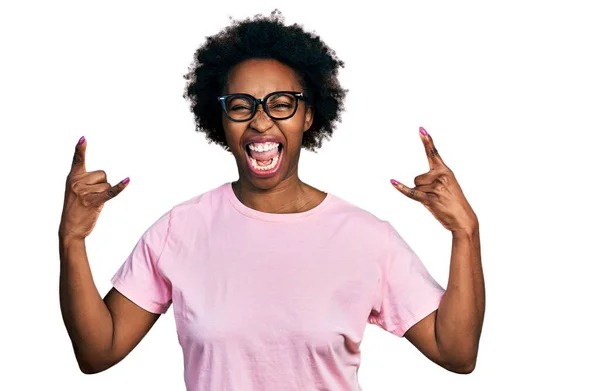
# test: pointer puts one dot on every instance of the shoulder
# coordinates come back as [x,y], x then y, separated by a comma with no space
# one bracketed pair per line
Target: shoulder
[357,217]
[200,204]
[192,211]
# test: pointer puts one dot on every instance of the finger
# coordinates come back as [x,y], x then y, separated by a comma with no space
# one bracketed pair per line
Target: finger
[413,193]
[78,164]
[426,179]
[95,189]
[112,192]
[94,177]
[431,190]
[433,156]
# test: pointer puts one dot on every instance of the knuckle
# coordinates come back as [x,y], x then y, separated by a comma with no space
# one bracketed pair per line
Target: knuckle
[74,186]
[102,174]
[86,202]
[423,179]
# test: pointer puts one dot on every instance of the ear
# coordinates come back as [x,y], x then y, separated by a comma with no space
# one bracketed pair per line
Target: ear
[308,118]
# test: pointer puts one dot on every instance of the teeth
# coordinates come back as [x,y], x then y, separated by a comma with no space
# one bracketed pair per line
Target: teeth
[264,168]
[262,147]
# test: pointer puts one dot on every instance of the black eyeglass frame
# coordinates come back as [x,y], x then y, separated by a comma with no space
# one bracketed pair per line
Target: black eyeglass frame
[263,101]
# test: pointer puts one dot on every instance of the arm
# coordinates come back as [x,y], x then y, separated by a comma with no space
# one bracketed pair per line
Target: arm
[450,336]
[102,332]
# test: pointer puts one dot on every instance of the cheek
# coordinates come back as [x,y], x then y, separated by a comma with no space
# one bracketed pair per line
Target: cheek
[294,132]
[295,128]
[233,135]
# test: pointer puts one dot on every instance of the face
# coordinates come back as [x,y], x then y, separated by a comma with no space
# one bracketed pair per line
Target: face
[272,145]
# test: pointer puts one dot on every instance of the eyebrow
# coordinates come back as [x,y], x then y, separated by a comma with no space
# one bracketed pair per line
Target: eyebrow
[265,94]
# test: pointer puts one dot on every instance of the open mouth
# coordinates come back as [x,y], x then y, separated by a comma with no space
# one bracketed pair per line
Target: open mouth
[264,158]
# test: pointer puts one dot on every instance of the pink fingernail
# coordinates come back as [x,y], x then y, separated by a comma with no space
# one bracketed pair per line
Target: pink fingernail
[81,140]
[423,131]
[125,181]
[394,182]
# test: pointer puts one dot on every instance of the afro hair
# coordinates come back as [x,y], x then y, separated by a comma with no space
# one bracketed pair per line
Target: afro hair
[266,37]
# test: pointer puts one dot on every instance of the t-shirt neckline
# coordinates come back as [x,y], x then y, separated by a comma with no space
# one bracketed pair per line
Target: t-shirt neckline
[284,217]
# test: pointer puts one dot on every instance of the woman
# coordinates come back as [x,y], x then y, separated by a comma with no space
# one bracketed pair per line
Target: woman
[272,281]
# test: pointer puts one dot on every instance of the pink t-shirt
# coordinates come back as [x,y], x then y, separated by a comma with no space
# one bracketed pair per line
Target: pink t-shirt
[266,301]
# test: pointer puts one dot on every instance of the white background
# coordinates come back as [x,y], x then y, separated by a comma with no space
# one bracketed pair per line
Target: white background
[508,90]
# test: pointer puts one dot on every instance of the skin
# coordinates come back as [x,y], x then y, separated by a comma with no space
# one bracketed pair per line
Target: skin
[284,192]
[104,331]
[450,335]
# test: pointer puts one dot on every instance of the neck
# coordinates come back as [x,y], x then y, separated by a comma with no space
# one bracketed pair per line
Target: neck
[291,195]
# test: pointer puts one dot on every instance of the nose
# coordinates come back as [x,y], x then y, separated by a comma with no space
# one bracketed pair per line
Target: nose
[261,121]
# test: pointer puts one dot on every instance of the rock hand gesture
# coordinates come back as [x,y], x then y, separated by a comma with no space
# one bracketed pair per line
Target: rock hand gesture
[439,191]
[85,195]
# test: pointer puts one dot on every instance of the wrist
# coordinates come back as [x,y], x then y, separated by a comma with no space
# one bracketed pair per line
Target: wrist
[467,231]
[469,226]
[66,241]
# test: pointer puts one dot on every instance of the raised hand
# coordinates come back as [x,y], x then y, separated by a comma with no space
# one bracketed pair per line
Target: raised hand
[85,195]
[439,191]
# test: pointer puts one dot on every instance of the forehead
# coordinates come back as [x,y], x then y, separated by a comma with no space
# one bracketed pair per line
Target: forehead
[258,77]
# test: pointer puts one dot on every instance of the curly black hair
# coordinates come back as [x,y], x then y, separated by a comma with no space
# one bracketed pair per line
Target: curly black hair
[266,37]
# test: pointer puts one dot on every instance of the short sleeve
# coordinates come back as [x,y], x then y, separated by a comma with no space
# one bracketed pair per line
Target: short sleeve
[139,278]
[408,292]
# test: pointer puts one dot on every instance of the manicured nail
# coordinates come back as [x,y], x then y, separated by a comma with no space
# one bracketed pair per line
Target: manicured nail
[125,181]
[423,131]
[81,140]
[394,182]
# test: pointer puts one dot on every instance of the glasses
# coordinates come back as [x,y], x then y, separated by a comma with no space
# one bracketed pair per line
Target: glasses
[277,105]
